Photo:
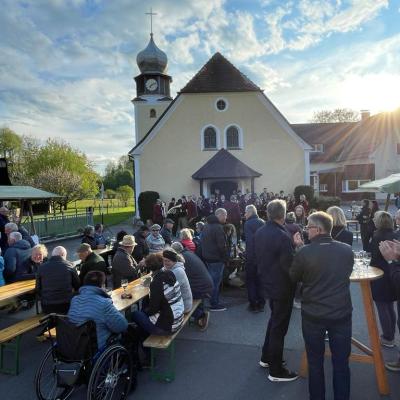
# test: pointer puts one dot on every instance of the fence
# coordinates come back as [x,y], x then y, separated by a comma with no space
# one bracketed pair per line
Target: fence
[59,225]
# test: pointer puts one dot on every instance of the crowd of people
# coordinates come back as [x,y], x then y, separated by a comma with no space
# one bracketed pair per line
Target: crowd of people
[290,254]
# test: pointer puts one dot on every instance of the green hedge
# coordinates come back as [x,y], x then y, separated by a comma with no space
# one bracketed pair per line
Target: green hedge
[146,202]
[322,203]
[307,190]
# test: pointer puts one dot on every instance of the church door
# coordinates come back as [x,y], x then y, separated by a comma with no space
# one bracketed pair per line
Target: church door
[225,187]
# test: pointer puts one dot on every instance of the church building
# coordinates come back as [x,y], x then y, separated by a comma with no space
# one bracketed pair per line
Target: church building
[221,131]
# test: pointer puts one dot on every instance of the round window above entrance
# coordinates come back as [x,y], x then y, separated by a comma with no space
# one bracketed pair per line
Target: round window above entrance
[221,104]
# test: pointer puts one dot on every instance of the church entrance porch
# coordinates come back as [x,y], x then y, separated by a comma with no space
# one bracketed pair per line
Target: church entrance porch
[225,187]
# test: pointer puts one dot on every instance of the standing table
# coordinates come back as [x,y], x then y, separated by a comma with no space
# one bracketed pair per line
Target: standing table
[371,355]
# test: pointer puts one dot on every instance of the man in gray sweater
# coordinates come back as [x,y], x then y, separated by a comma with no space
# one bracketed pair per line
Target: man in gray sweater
[172,263]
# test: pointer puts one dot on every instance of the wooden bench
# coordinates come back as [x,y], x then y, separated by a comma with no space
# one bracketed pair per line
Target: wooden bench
[155,342]
[10,339]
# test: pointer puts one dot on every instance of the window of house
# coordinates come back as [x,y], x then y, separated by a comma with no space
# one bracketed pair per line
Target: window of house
[210,139]
[153,113]
[351,185]
[318,148]
[232,138]
[323,187]
[221,104]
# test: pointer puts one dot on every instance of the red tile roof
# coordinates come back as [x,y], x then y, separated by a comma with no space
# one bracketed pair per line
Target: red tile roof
[219,75]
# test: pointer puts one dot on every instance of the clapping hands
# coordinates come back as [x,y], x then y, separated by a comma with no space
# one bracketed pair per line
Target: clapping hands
[390,250]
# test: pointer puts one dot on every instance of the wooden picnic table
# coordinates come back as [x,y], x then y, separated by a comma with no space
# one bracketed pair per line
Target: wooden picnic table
[135,288]
[13,290]
[371,355]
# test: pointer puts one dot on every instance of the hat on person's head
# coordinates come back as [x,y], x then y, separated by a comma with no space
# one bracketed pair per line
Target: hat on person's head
[83,247]
[128,241]
[155,227]
[170,254]
[169,221]
[290,217]
[4,210]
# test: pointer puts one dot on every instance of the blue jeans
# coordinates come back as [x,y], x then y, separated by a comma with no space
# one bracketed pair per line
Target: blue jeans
[143,321]
[216,270]
[340,344]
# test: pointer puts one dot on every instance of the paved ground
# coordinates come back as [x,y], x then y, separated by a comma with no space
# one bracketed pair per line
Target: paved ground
[221,363]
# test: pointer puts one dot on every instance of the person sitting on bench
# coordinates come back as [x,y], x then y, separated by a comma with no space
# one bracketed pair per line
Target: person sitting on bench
[56,282]
[164,314]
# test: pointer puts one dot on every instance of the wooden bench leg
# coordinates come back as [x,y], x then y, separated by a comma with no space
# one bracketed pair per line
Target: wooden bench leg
[13,346]
[167,375]
[304,365]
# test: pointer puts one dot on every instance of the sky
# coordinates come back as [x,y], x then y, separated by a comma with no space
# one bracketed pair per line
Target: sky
[67,66]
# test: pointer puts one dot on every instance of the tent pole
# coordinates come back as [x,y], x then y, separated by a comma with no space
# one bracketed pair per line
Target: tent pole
[31,217]
[387,201]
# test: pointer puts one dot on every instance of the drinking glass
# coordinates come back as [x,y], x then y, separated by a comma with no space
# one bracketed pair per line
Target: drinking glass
[124,284]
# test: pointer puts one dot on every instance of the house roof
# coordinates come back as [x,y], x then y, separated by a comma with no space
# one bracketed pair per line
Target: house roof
[224,165]
[24,193]
[219,75]
[368,134]
[331,135]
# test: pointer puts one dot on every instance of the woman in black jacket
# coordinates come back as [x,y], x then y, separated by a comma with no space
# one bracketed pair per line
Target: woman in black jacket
[383,291]
[339,230]
[164,313]
[364,219]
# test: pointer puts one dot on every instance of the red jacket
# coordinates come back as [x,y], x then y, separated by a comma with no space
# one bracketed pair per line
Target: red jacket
[158,217]
[188,244]
[233,211]
[191,207]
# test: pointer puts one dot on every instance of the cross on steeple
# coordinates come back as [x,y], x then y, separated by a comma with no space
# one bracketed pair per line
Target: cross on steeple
[151,20]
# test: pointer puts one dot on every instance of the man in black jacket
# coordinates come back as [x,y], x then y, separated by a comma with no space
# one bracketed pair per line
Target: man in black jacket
[141,250]
[166,231]
[56,282]
[324,267]
[390,250]
[200,282]
[254,290]
[214,251]
[274,253]
[90,261]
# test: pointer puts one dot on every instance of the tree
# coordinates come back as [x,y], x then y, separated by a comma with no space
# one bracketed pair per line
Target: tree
[110,194]
[337,115]
[10,143]
[125,193]
[60,181]
[118,173]
[60,156]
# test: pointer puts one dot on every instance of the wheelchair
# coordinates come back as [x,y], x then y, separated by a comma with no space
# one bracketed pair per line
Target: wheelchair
[73,359]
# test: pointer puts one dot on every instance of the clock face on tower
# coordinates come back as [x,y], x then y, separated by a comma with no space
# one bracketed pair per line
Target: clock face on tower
[151,85]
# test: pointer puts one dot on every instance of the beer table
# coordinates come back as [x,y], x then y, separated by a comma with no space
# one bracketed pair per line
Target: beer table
[9,292]
[371,355]
[135,288]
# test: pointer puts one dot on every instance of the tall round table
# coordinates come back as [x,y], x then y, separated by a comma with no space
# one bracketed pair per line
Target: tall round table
[371,355]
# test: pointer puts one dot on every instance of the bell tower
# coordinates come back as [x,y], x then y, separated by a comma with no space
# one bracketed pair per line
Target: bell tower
[152,86]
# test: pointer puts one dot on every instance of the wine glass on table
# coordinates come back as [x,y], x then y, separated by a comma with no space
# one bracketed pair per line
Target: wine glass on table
[124,284]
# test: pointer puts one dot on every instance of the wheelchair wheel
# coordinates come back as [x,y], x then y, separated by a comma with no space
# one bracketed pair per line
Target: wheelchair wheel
[46,381]
[111,376]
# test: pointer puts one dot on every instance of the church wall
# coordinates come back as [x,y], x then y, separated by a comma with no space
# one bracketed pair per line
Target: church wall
[169,160]
[142,116]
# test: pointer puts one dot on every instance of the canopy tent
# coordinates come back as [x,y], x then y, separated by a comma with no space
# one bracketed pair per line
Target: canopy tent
[28,193]
[24,193]
[389,185]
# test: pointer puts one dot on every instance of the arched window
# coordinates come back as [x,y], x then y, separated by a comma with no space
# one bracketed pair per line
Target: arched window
[210,138]
[153,113]
[232,138]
